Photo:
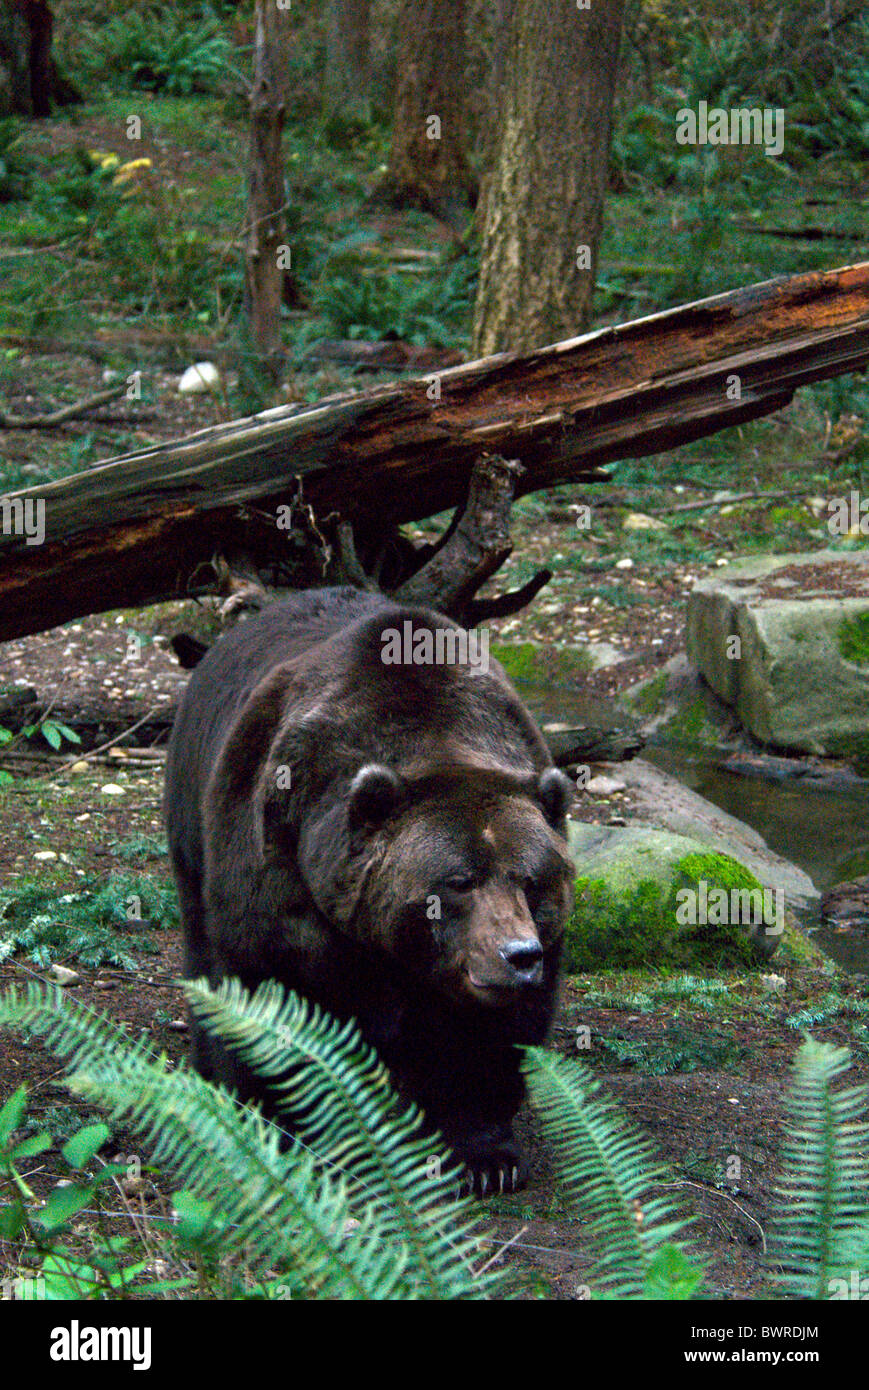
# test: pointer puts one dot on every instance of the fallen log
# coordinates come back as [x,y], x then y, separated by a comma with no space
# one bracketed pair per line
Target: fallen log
[144,740]
[588,743]
[275,488]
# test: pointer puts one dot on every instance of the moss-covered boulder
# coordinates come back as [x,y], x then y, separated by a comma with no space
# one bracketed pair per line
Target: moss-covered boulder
[646,897]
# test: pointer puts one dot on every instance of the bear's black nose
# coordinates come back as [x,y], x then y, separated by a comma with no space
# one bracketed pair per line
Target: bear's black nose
[526,958]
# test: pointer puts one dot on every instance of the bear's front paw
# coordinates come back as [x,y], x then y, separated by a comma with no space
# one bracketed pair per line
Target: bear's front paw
[493,1166]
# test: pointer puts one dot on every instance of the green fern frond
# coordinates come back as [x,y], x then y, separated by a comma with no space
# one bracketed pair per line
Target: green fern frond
[404,1177]
[823,1194]
[608,1169]
[281,1209]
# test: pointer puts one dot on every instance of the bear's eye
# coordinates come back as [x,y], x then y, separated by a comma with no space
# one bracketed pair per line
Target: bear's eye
[459,883]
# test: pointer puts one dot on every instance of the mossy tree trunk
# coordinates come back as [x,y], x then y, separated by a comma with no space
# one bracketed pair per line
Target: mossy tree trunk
[427,164]
[544,202]
[348,59]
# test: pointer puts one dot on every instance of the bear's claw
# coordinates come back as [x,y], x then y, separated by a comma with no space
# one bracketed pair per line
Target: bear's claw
[494,1174]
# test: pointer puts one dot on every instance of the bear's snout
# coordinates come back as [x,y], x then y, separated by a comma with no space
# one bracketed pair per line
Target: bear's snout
[525,958]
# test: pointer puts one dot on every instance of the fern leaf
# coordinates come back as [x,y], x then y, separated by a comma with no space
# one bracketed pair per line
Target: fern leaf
[607,1169]
[400,1174]
[281,1209]
[823,1193]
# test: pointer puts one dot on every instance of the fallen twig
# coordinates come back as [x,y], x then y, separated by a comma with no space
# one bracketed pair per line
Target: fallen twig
[727,501]
[59,417]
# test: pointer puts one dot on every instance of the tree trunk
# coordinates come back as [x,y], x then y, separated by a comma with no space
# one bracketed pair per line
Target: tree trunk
[544,202]
[346,472]
[267,252]
[348,59]
[427,165]
[26,69]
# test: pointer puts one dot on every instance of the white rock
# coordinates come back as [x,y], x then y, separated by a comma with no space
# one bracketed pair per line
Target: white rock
[639,521]
[201,377]
[774,984]
[45,854]
[625,564]
[604,786]
[112,789]
[62,975]
[79,766]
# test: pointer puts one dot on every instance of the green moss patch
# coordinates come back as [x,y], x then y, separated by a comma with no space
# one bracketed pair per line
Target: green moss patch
[650,925]
[853,639]
[525,661]
[648,698]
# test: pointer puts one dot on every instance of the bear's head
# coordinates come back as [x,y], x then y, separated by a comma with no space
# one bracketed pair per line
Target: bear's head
[461,874]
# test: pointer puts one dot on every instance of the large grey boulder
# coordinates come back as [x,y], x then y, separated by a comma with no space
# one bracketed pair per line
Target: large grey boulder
[785,641]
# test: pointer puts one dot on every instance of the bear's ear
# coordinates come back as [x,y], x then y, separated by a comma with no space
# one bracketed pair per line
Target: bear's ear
[555,790]
[374,793]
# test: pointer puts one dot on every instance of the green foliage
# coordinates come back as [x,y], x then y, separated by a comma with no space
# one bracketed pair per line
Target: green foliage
[54,1269]
[392,1231]
[134,237]
[683,1048]
[607,1169]
[14,169]
[52,731]
[386,1164]
[92,925]
[423,310]
[834,118]
[140,847]
[356,1207]
[833,1005]
[820,1230]
[853,639]
[159,51]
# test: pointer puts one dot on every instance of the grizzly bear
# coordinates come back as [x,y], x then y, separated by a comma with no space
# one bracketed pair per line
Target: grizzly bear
[381,832]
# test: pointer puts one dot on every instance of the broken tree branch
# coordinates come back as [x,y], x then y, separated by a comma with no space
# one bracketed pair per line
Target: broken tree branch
[475,548]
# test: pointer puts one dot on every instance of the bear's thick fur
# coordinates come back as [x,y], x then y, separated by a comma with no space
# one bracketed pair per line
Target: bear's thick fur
[385,839]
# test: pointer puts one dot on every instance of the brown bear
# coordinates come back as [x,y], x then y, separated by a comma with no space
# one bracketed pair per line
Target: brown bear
[381,831]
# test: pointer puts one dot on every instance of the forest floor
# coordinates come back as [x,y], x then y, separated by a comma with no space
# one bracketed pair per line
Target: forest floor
[701,1066]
